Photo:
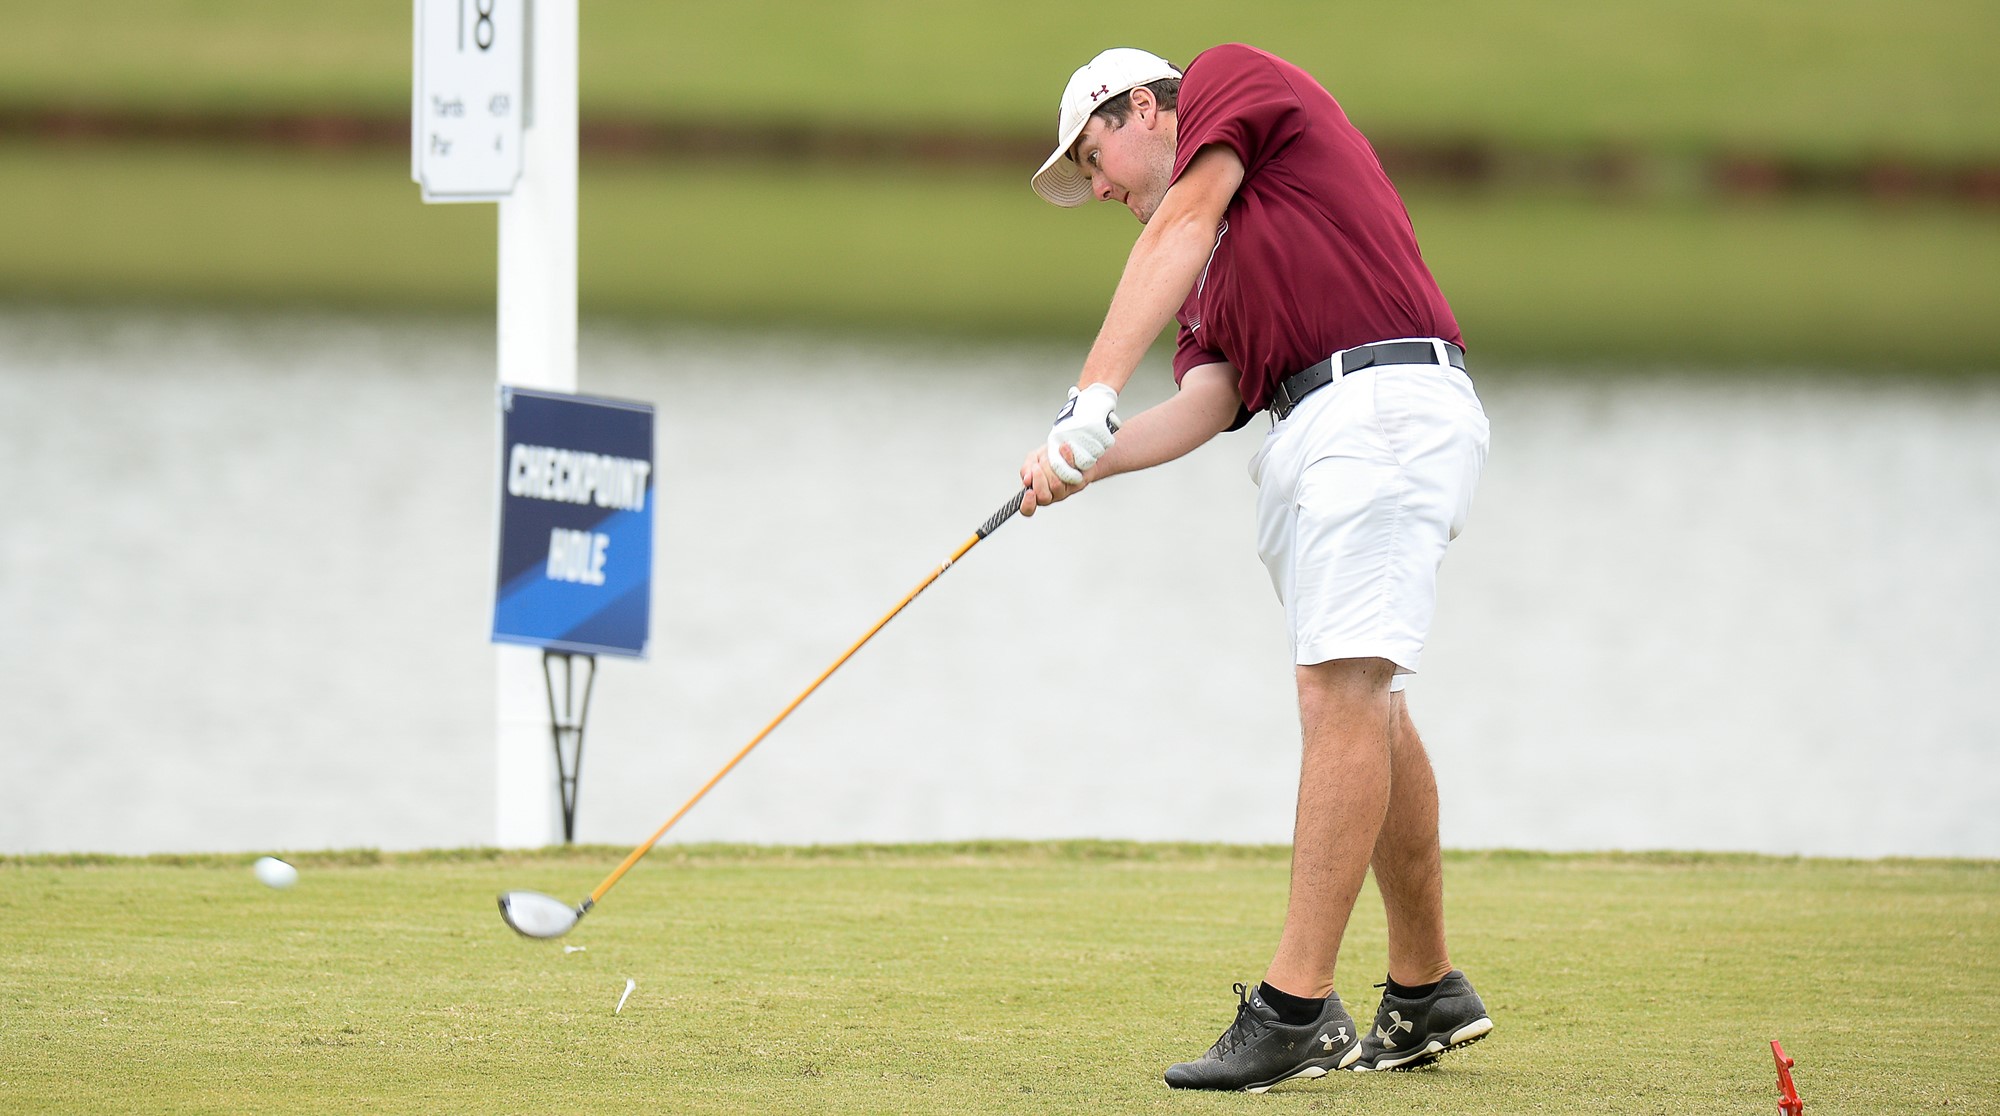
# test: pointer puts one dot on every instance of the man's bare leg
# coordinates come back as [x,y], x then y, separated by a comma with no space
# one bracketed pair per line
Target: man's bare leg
[1347,721]
[1408,867]
[1414,1030]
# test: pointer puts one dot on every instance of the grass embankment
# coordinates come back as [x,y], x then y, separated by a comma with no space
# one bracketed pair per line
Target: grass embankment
[1789,77]
[991,978]
[1659,276]
[964,253]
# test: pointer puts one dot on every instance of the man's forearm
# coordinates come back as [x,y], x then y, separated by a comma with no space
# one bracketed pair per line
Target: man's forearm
[1204,407]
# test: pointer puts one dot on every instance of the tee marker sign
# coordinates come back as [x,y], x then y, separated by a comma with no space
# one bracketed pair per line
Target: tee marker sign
[468,99]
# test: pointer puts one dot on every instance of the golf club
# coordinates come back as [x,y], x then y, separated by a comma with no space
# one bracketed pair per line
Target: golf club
[535,915]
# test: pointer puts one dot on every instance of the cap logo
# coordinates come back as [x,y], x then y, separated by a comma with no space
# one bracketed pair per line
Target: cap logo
[1099,92]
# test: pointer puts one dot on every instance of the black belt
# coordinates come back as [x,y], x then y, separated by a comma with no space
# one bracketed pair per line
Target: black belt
[1298,385]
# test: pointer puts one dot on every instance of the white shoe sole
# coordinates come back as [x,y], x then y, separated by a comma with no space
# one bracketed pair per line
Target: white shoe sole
[1470,1033]
[1311,1072]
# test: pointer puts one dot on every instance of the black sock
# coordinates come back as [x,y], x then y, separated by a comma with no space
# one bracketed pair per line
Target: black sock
[1293,1011]
[1407,992]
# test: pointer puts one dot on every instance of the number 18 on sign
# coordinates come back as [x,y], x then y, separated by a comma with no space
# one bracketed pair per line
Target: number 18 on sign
[466,98]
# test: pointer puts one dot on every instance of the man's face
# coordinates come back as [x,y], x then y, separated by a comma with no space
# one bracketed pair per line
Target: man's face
[1130,163]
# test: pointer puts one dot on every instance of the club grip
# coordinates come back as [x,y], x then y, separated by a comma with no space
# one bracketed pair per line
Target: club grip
[1005,513]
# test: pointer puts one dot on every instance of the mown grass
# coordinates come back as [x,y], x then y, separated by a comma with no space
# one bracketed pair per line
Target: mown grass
[968,254]
[1839,78]
[992,978]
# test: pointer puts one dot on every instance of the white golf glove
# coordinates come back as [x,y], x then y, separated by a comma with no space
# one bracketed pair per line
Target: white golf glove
[1086,425]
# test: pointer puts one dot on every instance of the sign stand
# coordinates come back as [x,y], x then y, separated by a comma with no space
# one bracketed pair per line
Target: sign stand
[574,575]
[494,118]
[566,720]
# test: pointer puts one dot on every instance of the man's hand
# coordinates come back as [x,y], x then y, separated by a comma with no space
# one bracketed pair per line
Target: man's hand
[1206,405]
[1042,485]
[1084,427]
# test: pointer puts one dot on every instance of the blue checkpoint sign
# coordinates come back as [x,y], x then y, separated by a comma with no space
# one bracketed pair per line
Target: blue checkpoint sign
[576,523]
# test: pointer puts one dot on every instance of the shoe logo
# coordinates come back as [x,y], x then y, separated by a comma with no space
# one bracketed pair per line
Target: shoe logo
[1339,1037]
[1388,1034]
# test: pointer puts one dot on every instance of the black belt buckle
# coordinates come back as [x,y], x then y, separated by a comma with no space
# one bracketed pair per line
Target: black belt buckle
[1298,385]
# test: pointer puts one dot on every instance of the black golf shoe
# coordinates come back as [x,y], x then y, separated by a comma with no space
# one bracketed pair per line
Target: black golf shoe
[1257,1051]
[1412,1033]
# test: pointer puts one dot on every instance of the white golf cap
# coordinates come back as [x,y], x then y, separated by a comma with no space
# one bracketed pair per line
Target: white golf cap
[1115,71]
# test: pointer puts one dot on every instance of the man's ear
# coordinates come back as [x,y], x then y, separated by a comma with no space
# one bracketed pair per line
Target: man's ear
[1144,105]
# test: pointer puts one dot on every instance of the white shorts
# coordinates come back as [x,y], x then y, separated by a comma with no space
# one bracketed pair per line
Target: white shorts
[1359,490]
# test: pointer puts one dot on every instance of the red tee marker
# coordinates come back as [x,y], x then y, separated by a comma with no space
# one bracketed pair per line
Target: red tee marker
[1788,1096]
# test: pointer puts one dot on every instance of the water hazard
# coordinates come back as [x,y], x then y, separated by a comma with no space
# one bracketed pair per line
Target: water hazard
[246,575]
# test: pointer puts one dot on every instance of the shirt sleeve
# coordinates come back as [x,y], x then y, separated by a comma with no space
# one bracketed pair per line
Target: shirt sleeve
[1190,354]
[1234,96]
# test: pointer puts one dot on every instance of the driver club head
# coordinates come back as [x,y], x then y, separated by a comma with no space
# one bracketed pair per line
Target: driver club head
[535,915]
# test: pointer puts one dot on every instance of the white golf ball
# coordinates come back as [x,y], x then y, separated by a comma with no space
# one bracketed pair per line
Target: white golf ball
[272,872]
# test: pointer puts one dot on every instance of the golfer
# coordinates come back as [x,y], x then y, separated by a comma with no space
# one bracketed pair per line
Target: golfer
[1274,239]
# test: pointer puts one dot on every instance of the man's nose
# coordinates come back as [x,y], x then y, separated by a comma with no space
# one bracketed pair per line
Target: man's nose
[1100,186]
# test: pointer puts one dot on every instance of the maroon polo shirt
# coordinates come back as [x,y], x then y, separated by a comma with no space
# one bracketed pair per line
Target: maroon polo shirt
[1315,253]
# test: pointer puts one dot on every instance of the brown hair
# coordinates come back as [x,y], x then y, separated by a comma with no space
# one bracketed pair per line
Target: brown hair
[1115,111]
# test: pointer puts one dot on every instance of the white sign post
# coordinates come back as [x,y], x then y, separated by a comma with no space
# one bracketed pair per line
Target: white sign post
[494,118]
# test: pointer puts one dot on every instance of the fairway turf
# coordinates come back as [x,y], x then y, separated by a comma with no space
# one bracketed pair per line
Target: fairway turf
[1002,978]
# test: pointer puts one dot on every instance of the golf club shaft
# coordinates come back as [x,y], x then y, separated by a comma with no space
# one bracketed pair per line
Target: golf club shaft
[1005,513]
